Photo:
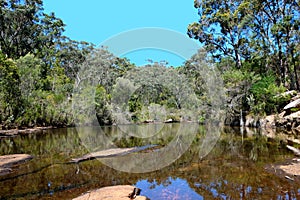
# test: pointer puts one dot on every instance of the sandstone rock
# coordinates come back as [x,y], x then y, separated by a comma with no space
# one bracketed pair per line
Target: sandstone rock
[119,192]
[293,104]
[5,170]
[270,133]
[294,150]
[249,121]
[293,169]
[111,153]
[268,122]
[7,161]
[296,97]
[169,121]
[292,116]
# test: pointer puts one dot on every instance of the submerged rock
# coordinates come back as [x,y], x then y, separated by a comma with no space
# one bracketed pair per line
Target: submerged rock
[118,192]
[111,153]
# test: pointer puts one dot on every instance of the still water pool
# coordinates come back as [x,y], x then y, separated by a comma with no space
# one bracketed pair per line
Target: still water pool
[233,169]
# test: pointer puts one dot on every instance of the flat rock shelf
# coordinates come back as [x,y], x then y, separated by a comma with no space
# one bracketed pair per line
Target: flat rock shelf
[7,161]
[111,153]
[118,192]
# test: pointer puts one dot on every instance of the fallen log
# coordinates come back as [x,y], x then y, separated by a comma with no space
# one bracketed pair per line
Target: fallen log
[293,149]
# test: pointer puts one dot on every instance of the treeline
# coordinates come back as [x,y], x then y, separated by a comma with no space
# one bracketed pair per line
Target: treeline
[260,35]
[37,65]
[256,44]
[47,78]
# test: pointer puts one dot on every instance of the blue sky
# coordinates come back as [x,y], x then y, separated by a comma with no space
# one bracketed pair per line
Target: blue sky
[98,20]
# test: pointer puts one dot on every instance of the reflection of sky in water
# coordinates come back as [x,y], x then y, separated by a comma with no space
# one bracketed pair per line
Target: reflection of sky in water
[180,189]
[170,189]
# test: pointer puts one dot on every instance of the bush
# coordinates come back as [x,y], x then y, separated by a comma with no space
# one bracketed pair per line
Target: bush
[264,96]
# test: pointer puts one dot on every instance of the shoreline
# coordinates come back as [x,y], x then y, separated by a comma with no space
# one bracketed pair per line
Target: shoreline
[16,131]
[288,169]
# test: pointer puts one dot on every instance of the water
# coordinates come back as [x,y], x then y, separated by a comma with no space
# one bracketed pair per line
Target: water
[234,169]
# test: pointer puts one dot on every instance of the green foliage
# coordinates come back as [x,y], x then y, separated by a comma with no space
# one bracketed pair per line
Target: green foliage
[29,69]
[10,95]
[122,93]
[135,103]
[239,78]
[41,70]
[264,97]
[260,34]
[102,108]
[222,28]
[36,84]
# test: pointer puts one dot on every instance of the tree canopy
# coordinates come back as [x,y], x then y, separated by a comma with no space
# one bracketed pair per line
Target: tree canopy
[44,73]
[261,33]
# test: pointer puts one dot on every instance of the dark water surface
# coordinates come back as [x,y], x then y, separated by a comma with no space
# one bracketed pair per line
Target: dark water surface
[234,169]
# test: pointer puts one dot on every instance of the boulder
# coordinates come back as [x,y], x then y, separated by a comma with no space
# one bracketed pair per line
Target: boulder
[268,122]
[292,116]
[118,192]
[293,104]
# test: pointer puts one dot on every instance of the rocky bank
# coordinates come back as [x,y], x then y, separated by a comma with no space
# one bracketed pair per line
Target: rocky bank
[288,119]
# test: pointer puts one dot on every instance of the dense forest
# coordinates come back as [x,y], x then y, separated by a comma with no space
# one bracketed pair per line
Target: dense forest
[254,45]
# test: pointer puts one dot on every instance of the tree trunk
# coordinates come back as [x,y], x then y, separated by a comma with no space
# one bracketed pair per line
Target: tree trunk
[296,74]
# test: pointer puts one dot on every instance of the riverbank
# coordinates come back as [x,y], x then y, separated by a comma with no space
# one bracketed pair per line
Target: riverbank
[287,118]
[14,132]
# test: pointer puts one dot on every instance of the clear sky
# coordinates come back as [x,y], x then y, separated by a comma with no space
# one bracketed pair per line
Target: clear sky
[98,20]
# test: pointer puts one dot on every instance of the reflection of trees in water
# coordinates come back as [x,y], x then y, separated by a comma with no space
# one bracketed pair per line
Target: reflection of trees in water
[228,170]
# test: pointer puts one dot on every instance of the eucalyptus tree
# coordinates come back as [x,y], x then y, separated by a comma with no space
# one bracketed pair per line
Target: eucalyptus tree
[207,84]
[10,94]
[102,68]
[69,54]
[275,38]
[223,28]
[262,33]
[143,89]
[26,28]
[29,70]
[94,84]
[38,64]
